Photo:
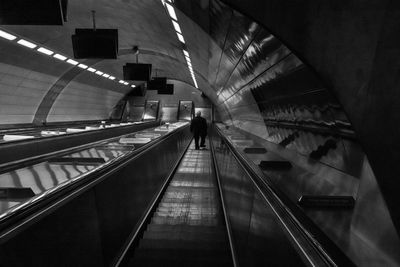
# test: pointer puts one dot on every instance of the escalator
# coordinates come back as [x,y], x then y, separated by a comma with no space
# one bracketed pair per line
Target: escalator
[187,228]
[162,203]
[212,211]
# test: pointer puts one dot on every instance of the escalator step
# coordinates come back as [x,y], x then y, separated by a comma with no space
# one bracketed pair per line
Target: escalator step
[214,245]
[209,256]
[186,228]
[169,258]
[180,235]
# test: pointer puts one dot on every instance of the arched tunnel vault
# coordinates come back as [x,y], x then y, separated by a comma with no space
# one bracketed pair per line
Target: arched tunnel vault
[268,67]
[354,47]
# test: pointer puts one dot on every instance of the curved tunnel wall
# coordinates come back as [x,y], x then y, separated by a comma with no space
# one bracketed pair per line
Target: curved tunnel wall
[353,46]
[36,88]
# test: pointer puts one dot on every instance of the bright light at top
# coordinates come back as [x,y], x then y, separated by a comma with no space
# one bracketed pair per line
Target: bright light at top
[176,26]
[171,11]
[126,83]
[99,72]
[185,53]
[60,57]
[26,43]
[133,86]
[180,37]
[91,69]
[111,78]
[105,75]
[82,66]
[7,36]
[45,51]
[121,81]
[72,62]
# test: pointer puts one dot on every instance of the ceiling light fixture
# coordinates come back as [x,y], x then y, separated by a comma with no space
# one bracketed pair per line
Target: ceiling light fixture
[111,78]
[176,26]
[180,37]
[105,75]
[99,72]
[7,36]
[26,43]
[60,57]
[121,81]
[72,62]
[133,86]
[126,83]
[171,11]
[185,53]
[45,51]
[82,66]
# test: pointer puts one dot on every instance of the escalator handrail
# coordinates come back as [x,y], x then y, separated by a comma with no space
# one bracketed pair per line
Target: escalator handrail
[26,214]
[20,163]
[311,248]
[64,135]
[141,226]
[226,217]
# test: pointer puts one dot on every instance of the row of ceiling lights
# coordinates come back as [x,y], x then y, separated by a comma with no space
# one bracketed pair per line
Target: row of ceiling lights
[48,52]
[174,18]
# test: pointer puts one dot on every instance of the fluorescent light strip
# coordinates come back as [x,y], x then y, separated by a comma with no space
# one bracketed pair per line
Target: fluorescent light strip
[45,51]
[60,57]
[126,83]
[72,62]
[176,26]
[133,86]
[99,72]
[111,78]
[185,53]
[171,11]
[82,66]
[180,37]
[91,69]
[7,36]
[121,81]
[105,75]
[26,43]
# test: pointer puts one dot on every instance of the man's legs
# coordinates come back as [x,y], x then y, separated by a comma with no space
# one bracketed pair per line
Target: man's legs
[203,141]
[196,141]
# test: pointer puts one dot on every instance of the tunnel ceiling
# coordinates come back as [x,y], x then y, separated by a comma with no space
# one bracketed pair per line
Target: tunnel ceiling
[227,49]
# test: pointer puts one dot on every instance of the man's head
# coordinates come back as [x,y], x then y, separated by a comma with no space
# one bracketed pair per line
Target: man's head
[198,113]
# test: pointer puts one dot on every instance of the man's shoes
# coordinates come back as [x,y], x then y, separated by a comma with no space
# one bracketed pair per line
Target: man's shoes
[197,148]
[202,145]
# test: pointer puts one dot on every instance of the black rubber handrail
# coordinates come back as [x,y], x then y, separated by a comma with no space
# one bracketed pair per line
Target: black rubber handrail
[13,165]
[53,198]
[312,251]
[3,143]
[221,194]
[137,233]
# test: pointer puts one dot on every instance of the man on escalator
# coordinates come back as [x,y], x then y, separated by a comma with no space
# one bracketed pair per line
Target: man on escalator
[198,127]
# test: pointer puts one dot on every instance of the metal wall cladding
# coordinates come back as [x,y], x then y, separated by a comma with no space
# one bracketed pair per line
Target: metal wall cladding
[259,83]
